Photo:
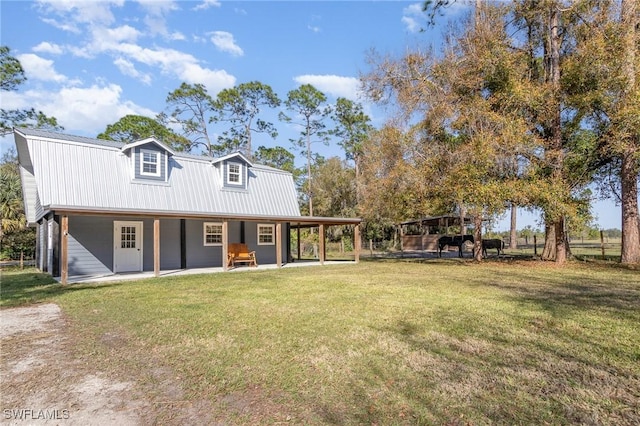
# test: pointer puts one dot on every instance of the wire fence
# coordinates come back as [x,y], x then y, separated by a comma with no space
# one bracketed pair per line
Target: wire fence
[605,248]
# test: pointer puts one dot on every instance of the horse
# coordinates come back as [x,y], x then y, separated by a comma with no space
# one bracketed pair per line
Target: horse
[492,244]
[456,240]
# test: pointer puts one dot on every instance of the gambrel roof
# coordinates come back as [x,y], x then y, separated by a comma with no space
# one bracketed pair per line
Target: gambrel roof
[65,172]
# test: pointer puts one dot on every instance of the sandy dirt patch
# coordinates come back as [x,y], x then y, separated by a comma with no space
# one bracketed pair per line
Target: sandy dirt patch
[41,383]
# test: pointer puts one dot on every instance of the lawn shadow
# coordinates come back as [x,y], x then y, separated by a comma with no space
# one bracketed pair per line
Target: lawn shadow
[569,290]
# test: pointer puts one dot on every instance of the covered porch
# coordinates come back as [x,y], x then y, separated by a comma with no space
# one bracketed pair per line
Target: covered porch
[282,227]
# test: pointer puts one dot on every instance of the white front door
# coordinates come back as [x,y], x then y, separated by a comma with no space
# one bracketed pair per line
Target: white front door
[127,254]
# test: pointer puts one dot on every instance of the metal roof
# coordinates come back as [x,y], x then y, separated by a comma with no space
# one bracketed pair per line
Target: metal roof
[442,220]
[82,173]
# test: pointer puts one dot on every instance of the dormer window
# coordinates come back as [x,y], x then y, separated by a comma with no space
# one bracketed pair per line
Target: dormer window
[234,174]
[149,163]
[234,171]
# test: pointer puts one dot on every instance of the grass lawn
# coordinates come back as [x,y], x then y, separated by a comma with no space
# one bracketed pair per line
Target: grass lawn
[381,342]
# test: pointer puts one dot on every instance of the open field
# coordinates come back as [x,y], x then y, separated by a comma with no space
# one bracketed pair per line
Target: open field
[381,342]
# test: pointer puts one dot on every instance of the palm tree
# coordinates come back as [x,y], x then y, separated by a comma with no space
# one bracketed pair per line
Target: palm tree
[11,209]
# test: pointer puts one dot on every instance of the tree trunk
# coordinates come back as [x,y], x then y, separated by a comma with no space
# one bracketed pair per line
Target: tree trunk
[309,177]
[513,234]
[477,237]
[630,164]
[556,156]
[561,241]
[549,251]
[630,223]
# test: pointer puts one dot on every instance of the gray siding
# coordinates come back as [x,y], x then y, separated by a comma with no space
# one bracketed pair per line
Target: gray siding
[91,244]
[90,249]
[199,255]
[265,254]
[42,246]
[169,244]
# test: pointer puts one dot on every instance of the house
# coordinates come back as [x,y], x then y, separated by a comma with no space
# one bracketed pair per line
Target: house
[103,207]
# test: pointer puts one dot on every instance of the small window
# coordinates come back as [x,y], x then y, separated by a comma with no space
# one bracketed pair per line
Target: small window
[128,237]
[149,163]
[212,234]
[234,174]
[266,234]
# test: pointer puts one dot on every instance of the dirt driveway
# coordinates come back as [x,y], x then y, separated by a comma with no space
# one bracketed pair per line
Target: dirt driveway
[42,384]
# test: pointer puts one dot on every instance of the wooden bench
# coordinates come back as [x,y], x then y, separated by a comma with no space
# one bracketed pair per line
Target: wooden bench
[239,253]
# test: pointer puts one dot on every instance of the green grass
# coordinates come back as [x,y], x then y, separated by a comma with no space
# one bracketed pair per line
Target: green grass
[382,342]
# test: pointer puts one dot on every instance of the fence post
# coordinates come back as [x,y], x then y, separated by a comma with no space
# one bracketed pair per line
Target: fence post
[22,260]
[602,244]
[535,245]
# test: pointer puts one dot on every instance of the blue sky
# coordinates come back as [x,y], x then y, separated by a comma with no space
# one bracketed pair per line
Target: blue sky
[89,63]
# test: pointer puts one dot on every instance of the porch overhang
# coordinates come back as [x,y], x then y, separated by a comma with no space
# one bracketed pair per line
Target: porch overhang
[295,221]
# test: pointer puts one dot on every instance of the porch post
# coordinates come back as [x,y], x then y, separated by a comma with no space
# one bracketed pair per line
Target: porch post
[156,247]
[299,251]
[225,244]
[357,242]
[64,249]
[279,244]
[322,237]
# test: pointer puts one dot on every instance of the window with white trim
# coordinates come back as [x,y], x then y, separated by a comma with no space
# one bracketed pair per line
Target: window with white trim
[149,163]
[234,173]
[212,233]
[266,234]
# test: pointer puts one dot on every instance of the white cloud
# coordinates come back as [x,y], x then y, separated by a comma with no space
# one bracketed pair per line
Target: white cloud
[335,85]
[206,4]
[61,25]
[213,80]
[124,33]
[158,7]
[414,18]
[39,68]
[122,41]
[104,40]
[225,42]
[313,27]
[46,47]
[177,36]
[155,19]
[181,65]
[79,11]
[83,110]
[127,68]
